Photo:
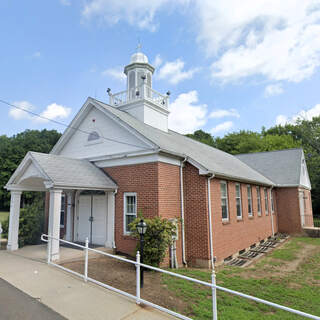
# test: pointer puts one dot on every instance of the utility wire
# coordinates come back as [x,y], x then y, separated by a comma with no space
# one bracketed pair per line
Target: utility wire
[68,126]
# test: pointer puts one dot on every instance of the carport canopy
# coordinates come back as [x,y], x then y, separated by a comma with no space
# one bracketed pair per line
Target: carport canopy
[53,173]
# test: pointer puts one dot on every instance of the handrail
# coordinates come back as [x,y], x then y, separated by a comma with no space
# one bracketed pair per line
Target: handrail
[138,264]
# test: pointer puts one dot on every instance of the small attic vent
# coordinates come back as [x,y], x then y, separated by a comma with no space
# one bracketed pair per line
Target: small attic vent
[94,135]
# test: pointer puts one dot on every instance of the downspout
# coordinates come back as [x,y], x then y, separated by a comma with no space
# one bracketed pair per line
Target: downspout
[272,213]
[210,222]
[114,219]
[182,212]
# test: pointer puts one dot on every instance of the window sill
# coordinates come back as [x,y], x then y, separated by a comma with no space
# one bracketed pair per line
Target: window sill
[239,219]
[225,222]
[259,215]
[250,217]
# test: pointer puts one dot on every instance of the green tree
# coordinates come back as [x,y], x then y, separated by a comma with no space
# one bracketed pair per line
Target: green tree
[203,137]
[12,151]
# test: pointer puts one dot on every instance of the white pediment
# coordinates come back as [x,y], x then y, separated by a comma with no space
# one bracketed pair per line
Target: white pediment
[98,135]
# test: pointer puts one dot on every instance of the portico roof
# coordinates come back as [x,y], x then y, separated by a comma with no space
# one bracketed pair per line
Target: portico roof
[41,171]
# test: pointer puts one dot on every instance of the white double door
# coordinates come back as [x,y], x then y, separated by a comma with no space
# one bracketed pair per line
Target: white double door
[92,219]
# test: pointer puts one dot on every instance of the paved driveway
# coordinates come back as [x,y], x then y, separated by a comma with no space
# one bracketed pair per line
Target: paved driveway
[64,293]
[16,305]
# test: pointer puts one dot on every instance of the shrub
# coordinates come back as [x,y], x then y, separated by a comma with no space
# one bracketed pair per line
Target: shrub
[31,223]
[157,238]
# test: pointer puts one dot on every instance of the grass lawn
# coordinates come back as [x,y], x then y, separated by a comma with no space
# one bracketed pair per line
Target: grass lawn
[3,216]
[290,275]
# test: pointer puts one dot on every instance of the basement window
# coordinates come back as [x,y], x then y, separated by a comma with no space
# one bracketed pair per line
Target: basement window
[129,210]
[224,200]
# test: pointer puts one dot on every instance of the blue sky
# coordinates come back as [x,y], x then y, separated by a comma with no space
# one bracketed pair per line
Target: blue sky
[229,65]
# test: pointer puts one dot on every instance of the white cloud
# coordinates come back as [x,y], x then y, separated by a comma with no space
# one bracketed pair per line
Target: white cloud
[186,115]
[301,115]
[65,2]
[157,61]
[36,55]
[278,40]
[273,90]
[173,72]
[224,126]
[272,39]
[53,111]
[116,73]
[19,114]
[221,113]
[138,13]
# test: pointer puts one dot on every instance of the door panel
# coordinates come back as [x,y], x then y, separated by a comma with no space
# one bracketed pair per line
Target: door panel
[83,217]
[99,226]
[99,221]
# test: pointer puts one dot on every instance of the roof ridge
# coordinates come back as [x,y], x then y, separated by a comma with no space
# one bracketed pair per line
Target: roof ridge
[272,151]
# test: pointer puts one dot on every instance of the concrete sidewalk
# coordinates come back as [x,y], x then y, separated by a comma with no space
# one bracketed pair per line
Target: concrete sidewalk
[69,295]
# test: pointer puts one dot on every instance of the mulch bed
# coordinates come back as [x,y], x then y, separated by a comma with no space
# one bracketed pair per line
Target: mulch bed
[122,275]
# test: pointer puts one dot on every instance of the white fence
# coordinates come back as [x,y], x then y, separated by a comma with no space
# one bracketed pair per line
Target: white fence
[137,297]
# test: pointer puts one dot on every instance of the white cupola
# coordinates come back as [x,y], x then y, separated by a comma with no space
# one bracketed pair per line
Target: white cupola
[139,99]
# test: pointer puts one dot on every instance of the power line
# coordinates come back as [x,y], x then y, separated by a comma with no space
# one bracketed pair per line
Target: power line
[67,126]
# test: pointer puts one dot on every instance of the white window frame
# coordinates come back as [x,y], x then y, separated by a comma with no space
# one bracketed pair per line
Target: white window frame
[266,201]
[238,197]
[250,214]
[259,200]
[125,213]
[272,201]
[226,197]
[63,209]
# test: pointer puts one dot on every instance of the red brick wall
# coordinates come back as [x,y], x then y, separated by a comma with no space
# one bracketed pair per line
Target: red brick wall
[169,199]
[139,178]
[308,214]
[196,216]
[157,186]
[237,234]
[288,210]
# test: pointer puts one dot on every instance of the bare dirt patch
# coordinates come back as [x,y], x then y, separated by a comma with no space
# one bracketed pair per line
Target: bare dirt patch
[122,275]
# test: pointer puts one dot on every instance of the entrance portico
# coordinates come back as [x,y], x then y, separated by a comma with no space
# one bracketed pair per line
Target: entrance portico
[56,175]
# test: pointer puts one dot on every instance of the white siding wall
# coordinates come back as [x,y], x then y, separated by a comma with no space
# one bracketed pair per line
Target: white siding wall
[78,147]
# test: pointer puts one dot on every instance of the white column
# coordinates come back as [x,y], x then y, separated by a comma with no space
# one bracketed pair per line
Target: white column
[110,222]
[54,221]
[69,217]
[13,231]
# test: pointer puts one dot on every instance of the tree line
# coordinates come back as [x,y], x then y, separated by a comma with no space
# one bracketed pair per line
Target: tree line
[303,134]
[12,151]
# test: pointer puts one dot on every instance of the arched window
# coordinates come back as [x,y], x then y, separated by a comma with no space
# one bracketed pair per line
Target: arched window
[94,135]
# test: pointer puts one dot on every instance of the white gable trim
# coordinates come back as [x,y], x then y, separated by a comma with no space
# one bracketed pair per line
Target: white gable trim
[88,105]
[24,164]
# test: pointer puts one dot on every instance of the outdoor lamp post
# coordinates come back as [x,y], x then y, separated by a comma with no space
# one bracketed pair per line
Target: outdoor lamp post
[141,228]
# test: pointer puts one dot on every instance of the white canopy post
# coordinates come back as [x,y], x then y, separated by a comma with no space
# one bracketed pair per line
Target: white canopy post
[54,221]
[13,231]
[69,216]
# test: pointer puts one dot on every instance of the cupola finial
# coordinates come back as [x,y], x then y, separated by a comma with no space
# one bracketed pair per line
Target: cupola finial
[139,46]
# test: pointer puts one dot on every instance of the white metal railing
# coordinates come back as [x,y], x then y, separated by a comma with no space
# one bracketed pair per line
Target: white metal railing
[138,93]
[138,264]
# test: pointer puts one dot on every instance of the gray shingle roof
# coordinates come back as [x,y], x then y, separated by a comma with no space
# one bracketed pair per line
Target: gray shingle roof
[282,167]
[214,160]
[64,171]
